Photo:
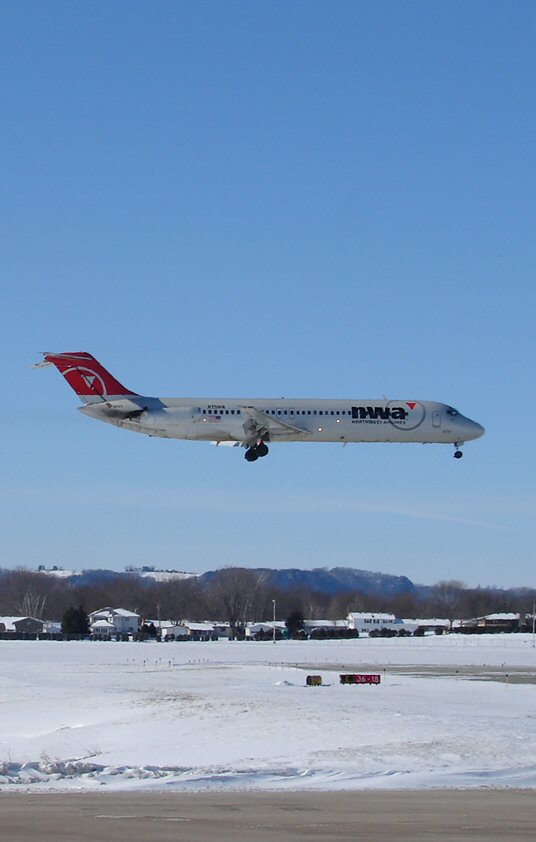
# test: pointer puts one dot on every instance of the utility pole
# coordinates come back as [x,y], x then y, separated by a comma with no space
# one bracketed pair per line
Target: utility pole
[273,632]
[533,623]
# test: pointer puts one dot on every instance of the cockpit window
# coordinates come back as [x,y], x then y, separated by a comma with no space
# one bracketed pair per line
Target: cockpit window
[452,411]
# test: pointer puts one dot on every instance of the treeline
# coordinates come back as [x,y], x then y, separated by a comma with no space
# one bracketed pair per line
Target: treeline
[239,595]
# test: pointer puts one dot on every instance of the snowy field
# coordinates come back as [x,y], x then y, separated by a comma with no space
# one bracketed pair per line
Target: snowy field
[84,715]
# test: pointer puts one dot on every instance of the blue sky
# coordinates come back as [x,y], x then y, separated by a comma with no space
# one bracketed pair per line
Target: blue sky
[308,199]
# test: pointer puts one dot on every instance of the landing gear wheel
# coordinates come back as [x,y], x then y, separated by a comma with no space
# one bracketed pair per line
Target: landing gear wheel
[458,454]
[262,449]
[251,454]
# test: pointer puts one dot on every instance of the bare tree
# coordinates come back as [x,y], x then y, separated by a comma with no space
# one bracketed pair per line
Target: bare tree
[234,590]
[405,605]
[450,599]
[182,599]
[32,605]
[25,592]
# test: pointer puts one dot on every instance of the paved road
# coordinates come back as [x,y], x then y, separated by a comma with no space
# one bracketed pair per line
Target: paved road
[425,816]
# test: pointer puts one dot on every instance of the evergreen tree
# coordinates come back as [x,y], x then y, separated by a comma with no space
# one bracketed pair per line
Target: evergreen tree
[75,621]
[294,624]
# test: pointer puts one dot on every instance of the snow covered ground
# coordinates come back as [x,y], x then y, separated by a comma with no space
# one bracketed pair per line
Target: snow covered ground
[85,715]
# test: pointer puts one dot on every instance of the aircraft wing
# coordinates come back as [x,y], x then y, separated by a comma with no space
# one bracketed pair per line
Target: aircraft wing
[260,425]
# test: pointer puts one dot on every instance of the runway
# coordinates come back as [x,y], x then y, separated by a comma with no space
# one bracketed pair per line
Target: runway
[399,816]
[504,674]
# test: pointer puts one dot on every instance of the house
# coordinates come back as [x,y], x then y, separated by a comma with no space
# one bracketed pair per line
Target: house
[112,621]
[259,631]
[328,629]
[21,625]
[500,622]
[264,631]
[52,627]
[199,631]
[366,621]
[221,629]
[186,630]
[102,628]
[171,631]
[429,626]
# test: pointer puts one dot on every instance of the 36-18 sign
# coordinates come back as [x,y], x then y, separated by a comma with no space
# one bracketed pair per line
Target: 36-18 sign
[360,678]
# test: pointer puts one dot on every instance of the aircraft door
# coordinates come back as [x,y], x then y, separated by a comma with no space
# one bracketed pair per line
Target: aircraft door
[436,418]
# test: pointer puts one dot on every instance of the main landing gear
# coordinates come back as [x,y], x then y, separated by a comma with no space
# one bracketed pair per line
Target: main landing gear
[256,452]
[457,452]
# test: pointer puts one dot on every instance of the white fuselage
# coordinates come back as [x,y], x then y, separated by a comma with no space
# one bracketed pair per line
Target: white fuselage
[243,420]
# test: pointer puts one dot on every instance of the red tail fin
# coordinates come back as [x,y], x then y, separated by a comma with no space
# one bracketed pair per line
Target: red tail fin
[87,376]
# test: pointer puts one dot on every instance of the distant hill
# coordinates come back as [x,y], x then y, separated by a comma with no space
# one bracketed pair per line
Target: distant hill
[321,580]
[334,581]
[102,576]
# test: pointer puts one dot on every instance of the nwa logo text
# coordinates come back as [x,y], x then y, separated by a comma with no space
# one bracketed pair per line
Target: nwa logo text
[379,413]
[407,416]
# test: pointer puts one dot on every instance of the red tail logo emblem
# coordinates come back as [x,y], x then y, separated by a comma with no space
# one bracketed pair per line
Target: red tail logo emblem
[85,381]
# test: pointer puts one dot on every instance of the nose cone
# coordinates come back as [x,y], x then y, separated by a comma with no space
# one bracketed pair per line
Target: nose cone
[474,430]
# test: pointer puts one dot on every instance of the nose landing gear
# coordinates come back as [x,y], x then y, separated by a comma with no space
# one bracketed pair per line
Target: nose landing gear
[257,451]
[457,452]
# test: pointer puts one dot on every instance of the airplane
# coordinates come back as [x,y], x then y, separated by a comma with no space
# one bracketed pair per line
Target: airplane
[254,422]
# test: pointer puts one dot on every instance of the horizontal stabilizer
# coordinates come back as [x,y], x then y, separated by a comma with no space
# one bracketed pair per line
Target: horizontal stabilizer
[121,409]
